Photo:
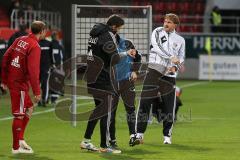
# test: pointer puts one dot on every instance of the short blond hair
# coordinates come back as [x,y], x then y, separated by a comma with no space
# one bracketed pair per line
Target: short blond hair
[37,27]
[173,17]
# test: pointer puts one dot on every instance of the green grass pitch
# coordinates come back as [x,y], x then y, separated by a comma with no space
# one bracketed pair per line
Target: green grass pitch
[208,129]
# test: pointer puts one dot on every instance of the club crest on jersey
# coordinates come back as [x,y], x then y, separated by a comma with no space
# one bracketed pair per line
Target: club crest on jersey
[175,46]
[163,39]
[15,62]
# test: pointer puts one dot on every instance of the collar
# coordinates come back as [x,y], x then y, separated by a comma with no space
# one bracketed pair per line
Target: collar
[31,35]
[171,32]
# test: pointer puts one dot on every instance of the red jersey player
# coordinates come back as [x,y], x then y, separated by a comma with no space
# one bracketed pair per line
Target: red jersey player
[20,69]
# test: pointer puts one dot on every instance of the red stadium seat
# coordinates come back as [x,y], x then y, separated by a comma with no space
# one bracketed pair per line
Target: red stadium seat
[185,7]
[136,3]
[6,33]
[157,18]
[197,28]
[198,19]
[4,23]
[181,28]
[4,19]
[158,7]
[183,18]
[146,2]
[171,6]
[199,8]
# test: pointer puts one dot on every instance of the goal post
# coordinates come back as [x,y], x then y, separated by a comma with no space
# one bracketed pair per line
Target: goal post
[137,28]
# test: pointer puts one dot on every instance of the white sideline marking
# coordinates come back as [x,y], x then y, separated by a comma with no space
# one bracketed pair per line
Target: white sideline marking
[193,84]
[49,110]
[207,118]
[86,97]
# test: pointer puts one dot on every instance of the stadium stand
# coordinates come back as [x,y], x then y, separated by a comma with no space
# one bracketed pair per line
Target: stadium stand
[9,25]
[4,20]
[191,19]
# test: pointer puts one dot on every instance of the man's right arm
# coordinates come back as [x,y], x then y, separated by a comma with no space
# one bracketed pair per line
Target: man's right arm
[107,43]
[157,46]
[5,63]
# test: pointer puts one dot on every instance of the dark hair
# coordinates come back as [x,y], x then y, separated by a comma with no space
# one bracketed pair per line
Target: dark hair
[37,27]
[54,35]
[115,20]
[23,27]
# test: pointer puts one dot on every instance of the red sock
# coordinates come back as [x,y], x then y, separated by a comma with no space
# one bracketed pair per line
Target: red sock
[24,124]
[16,129]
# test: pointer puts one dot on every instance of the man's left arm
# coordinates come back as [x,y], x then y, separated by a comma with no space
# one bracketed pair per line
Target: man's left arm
[136,66]
[179,58]
[181,55]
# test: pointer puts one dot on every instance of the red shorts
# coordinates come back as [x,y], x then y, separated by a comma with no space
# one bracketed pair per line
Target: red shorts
[20,101]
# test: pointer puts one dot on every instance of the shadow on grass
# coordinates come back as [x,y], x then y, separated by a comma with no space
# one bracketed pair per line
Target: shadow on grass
[1,156]
[138,151]
[190,148]
[128,154]
[182,147]
[28,157]
[122,156]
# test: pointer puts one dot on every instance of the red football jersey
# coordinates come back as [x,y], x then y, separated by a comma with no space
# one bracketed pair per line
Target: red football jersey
[21,64]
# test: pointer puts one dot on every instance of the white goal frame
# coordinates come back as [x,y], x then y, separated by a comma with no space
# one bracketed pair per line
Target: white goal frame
[137,29]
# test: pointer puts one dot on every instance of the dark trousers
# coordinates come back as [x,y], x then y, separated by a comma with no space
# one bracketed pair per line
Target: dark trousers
[44,80]
[126,90]
[157,90]
[103,111]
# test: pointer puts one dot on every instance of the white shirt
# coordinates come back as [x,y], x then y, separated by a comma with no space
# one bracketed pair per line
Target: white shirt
[165,46]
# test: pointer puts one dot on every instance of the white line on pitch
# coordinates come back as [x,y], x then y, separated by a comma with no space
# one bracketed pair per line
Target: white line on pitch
[86,97]
[193,84]
[48,110]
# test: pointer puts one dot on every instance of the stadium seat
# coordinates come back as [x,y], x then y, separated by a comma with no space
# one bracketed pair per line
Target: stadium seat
[185,7]
[197,28]
[6,33]
[199,8]
[135,2]
[157,6]
[4,19]
[171,6]
[183,18]
[157,18]
[146,2]
[4,23]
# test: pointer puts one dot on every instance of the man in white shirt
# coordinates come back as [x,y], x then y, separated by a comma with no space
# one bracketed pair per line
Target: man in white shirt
[166,57]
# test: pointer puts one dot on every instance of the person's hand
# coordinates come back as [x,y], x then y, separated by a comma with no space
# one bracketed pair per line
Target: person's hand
[4,86]
[53,66]
[172,69]
[175,60]
[133,76]
[37,98]
[132,52]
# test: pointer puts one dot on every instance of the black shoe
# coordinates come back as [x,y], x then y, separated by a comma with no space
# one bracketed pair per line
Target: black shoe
[3,91]
[113,145]
[131,141]
[41,104]
[135,141]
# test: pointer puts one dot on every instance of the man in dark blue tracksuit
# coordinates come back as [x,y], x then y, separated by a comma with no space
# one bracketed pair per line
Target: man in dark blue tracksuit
[45,64]
[3,48]
[57,59]
[125,77]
